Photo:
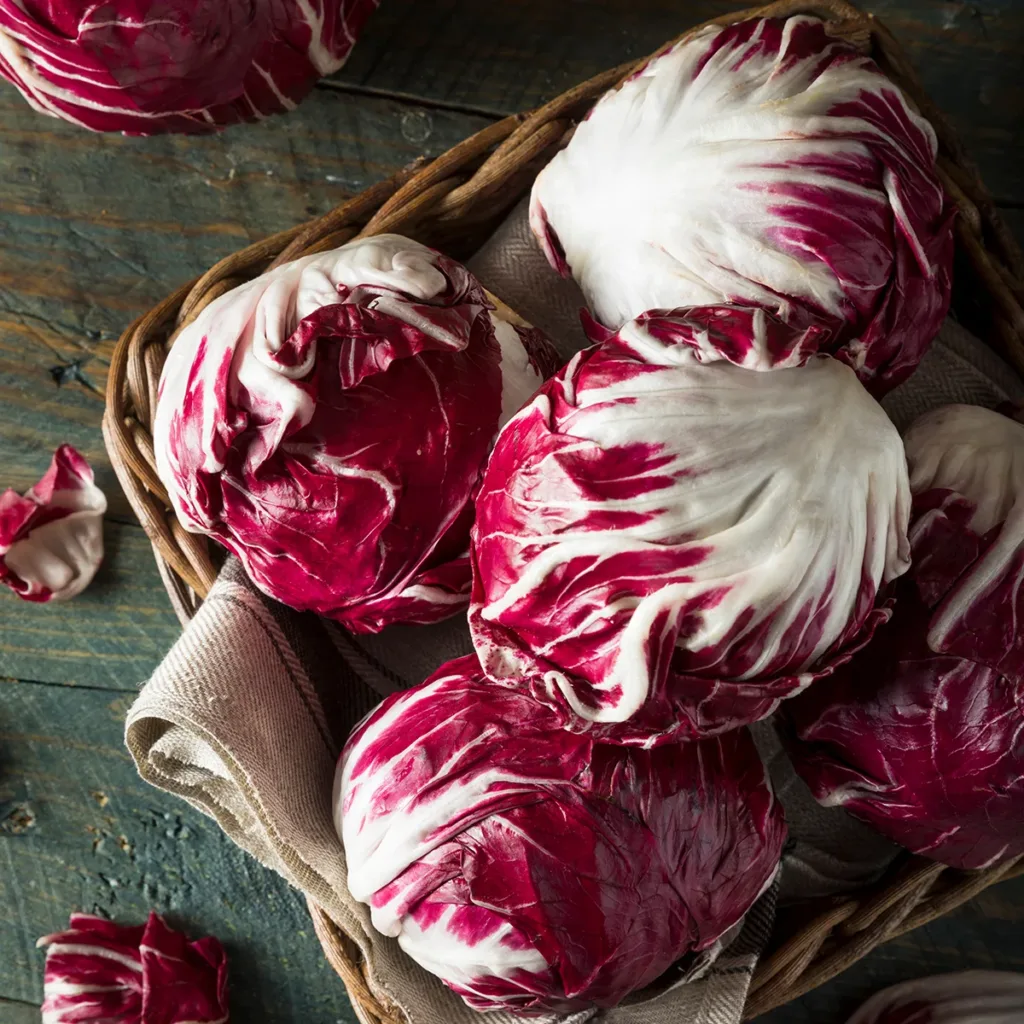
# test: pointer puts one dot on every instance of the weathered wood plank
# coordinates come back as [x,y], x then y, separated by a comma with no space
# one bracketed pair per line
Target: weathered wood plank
[95,229]
[984,934]
[12,1012]
[111,636]
[504,57]
[80,830]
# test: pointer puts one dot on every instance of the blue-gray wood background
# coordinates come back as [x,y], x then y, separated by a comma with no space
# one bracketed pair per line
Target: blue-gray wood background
[96,229]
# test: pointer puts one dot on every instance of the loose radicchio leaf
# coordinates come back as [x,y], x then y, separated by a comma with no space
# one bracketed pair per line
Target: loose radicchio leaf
[922,734]
[144,67]
[763,163]
[51,538]
[535,870]
[966,997]
[100,971]
[668,549]
[328,421]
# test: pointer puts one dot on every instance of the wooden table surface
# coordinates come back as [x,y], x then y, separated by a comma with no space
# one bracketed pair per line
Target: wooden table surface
[96,229]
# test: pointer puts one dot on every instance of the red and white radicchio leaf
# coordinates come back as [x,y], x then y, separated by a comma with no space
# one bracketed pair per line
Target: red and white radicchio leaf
[764,163]
[967,476]
[144,68]
[922,734]
[328,421]
[668,549]
[966,997]
[104,972]
[51,538]
[532,869]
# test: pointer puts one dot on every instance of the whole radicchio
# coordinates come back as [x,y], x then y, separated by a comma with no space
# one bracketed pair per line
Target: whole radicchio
[105,972]
[144,67]
[764,163]
[51,538]
[922,734]
[966,997]
[328,422]
[667,549]
[532,869]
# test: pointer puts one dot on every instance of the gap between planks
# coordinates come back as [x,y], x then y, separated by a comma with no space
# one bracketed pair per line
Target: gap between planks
[53,684]
[409,99]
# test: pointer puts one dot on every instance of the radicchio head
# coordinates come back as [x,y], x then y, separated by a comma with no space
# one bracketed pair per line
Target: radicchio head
[668,548]
[532,869]
[922,733]
[764,163]
[143,68]
[328,421]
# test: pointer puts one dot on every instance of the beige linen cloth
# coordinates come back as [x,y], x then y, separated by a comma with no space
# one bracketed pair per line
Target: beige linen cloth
[246,716]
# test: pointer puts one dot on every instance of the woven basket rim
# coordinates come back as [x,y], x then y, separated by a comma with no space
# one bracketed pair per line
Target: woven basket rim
[452,201]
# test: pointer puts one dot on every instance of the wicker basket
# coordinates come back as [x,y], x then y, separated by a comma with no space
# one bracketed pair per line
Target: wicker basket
[454,203]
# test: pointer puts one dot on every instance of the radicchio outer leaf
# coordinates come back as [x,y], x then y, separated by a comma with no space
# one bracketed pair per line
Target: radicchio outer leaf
[532,869]
[668,549]
[51,538]
[328,421]
[763,163]
[922,733]
[966,997]
[144,67]
[101,971]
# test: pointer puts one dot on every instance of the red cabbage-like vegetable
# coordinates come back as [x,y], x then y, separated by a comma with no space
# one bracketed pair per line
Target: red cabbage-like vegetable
[51,538]
[668,549]
[922,734]
[144,67]
[763,163]
[328,422]
[966,997]
[532,869]
[105,972]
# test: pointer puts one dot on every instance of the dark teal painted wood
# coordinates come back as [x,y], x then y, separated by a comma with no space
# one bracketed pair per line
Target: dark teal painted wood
[80,831]
[112,636]
[18,1013]
[95,229]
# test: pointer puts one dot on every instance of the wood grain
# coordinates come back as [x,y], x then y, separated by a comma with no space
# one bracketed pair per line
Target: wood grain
[93,231]
[12,1012]
[509,56]
[80,831]
[112,636]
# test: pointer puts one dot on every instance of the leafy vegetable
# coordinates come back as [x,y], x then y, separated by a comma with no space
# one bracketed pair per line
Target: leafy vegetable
[145,67]
[763,163]
[51,539]
[922,734]
[532,869]
[328,421]
[668,549]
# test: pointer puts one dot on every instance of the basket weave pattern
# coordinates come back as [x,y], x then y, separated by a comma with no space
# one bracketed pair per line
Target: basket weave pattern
[453,203]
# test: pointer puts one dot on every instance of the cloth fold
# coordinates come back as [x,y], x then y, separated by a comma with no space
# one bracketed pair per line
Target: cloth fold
[247,714]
